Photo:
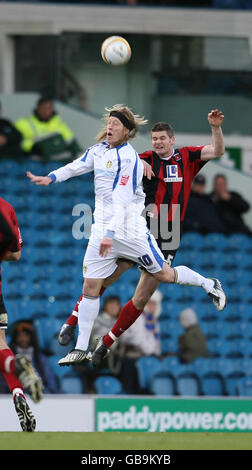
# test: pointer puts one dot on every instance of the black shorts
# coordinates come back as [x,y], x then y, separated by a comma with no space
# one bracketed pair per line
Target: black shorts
[3,314]
[168,252]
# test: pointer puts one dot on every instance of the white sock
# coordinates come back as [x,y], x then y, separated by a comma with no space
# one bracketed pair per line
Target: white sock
[17,391]
[187,277]
[88,311]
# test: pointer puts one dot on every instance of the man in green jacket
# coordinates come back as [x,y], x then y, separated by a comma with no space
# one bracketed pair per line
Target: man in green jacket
[46,134]
[192,343]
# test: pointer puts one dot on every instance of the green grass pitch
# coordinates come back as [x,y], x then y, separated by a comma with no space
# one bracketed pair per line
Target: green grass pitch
[124,441]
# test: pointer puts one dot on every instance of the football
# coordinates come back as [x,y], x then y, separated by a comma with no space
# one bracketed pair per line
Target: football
[115,50]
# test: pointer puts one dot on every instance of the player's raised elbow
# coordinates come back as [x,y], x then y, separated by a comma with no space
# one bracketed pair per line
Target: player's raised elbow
[219,152]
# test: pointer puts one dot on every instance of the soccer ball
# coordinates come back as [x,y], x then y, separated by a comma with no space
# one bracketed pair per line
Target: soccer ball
[115,50]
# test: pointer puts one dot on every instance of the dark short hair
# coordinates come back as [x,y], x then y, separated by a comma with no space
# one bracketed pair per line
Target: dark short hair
[163,126]
[44,99]
[220,175]
[111,298]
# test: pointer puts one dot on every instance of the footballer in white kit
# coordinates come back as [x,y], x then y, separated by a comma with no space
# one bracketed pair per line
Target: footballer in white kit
[119,202]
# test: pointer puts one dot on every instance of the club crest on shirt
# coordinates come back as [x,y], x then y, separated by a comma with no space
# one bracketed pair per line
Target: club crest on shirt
[172,174]
[109,164]
[84,269]
[177,157]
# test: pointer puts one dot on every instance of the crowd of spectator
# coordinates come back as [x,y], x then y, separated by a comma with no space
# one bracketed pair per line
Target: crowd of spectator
[220,211]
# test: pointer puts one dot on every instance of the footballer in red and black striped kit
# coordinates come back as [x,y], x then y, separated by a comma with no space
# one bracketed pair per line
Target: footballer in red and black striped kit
[174,171]
[18,372]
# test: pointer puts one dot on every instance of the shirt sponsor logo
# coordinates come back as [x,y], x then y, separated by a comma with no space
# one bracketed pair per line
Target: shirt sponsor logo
[124,180]
[172,174]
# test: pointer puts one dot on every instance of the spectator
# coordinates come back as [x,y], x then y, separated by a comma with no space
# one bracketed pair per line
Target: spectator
[10,138]
[142,339]
[24,340]
[230,206]
[192,343]
[202,215]
[45,134]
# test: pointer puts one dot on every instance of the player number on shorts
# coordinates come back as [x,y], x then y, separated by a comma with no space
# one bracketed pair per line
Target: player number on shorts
[145,260]
[169,259]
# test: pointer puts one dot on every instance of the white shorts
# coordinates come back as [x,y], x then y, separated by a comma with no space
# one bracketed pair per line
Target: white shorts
[142,251]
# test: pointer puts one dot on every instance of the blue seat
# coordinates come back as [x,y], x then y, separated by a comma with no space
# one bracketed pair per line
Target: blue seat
[165,330]
[147,367]
[244,387]
[231,384]
[190,240]
[214,241]
[218,347]
[188,385]
[223,366]
[46,329]
[162,384]
[201,366]
[106,385]
[212,384]
[71,385]
[245,366]
[171,365]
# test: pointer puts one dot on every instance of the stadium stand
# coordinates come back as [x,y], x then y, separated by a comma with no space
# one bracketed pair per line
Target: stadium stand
[45,284]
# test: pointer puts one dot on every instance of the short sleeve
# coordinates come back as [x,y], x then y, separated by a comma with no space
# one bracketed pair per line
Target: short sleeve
[194,158]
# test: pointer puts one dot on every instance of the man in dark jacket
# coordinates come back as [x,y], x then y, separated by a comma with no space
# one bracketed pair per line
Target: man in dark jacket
[230,206]
[202,215]
[10,138]
[192,343]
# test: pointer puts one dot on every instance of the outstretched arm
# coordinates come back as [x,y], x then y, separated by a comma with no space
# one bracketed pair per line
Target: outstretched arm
[39,180]
[217,148]
[77,167]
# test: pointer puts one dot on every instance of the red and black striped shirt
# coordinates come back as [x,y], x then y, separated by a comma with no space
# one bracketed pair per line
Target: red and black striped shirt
[173,178]
[10,236]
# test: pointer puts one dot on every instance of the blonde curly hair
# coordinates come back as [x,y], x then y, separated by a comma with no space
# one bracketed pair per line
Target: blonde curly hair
[134,120]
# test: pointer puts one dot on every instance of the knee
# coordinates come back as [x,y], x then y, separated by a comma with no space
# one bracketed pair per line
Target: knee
[91,287]
[166,276]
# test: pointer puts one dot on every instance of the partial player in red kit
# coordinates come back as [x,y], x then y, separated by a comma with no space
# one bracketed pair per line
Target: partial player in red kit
[173,170]
[17,371]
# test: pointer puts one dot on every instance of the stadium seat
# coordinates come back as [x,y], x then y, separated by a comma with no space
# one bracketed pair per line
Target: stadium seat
[190,240]
[147,367]
[223,366]
[231,384]
[71,385]
[188,384]
[244,387]
[245,366]
[46,329]
[216,240]
[165,330]
[106,385]
[212,384]
[162,384]
[172,365]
